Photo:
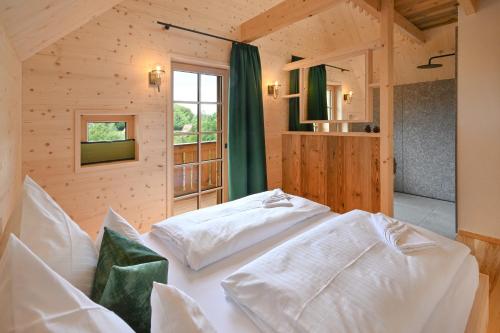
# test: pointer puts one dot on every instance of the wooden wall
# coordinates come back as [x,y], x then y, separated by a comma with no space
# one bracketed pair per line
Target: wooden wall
[104,65]
[342,172]
[10,128]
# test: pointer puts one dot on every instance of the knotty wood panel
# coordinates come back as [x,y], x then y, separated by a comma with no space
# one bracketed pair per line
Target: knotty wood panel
[10,128]
[487,252]
[104,66]
[313,160]
[33,25]
[292,164]
[340,171]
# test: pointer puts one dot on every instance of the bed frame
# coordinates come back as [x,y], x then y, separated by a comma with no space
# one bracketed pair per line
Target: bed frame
[478,318]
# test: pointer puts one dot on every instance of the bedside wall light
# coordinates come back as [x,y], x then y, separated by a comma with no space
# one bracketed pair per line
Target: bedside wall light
[348,97]
[155,77]
[274,89]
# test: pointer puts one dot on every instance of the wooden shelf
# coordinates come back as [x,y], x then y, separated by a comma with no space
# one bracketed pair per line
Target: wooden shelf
[374,85]
[358,134]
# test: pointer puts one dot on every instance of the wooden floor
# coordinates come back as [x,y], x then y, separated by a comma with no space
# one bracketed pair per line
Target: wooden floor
[487,253]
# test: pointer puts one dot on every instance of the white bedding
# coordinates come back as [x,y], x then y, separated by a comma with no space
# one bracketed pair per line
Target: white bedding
[391,292]
[201,237]
[204,286]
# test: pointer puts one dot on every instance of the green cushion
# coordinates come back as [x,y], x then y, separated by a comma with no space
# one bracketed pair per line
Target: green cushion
[124,278]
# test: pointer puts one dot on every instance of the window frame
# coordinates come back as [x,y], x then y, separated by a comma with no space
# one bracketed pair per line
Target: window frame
[222,102]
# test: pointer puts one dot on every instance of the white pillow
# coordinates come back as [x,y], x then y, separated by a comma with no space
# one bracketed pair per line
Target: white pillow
[51,234]
[174,311]
[117,223]
[34,298]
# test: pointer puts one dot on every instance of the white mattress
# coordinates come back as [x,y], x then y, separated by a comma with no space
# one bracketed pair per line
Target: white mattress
[204,286]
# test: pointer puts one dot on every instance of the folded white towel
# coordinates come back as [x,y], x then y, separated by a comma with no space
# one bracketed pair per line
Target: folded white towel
[277,198]
[400,235]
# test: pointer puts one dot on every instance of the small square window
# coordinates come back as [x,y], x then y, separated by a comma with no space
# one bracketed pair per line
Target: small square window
[106,131]
[106,138]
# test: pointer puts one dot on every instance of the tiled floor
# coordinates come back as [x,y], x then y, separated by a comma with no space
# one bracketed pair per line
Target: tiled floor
[432,214]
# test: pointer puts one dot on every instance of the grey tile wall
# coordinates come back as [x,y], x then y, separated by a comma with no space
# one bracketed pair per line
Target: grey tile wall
[424,137]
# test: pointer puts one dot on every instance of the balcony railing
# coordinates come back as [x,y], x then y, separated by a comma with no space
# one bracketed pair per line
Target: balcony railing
[186,170]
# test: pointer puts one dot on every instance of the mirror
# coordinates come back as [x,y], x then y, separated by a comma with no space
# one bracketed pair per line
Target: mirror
[338,91]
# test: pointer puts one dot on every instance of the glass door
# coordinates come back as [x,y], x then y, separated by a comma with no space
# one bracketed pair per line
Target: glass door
[200,109]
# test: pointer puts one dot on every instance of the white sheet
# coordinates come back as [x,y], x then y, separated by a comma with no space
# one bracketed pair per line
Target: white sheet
[204,236]
[391,292]
[226,317]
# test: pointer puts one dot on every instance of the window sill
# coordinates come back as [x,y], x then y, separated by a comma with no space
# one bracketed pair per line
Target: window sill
[106,166]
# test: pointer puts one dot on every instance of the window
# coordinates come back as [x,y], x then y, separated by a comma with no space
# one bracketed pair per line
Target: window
[199,111]
[105,139]
[106,131]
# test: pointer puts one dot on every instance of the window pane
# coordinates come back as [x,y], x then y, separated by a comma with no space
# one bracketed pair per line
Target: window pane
[185,118]
[185,180]
[185,86]
[209,88]
[210,117]
[106,131]
[185,205]
[211,175]
[211,147]
[185,149]
[211,199]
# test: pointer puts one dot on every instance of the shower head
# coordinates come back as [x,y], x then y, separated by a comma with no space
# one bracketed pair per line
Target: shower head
[430,65]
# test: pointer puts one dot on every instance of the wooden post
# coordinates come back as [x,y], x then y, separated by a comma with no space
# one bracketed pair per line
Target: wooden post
[387,108]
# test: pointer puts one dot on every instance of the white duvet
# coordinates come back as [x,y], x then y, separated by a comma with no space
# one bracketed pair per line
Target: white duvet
[204,236]
[341,277]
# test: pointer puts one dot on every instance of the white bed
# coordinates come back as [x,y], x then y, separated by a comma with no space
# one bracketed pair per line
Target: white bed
[450,315]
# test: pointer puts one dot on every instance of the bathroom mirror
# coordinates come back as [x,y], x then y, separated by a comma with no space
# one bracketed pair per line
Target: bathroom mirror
[337,90]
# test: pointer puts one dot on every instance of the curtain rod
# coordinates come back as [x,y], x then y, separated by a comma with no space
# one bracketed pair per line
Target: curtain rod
[168,26]
[339,68]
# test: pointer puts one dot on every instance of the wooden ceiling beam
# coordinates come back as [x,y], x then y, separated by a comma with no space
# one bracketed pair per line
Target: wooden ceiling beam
[288,12]
[282,15]
[373,7]
[469,6]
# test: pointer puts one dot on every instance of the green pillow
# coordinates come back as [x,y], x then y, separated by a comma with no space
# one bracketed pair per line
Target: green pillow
[124,278]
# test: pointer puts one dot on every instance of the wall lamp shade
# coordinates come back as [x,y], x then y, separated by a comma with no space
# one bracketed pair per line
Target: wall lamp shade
[274,89]
[348,97]
[155,77]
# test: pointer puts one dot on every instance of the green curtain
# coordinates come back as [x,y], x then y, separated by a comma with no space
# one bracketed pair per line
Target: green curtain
[316,94]
[246,145]
[293,103]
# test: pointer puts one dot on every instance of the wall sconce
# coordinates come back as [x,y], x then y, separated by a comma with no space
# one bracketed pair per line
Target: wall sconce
[274,89]
[155,77]
[348,97]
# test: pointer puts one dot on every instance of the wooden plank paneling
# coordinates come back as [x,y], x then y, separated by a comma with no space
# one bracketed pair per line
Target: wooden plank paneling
[339,171]
[104,66]
[292,164]
[10,128]
[313,159]
[34,25]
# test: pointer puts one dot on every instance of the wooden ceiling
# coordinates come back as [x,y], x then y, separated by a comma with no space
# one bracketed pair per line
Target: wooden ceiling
[32,25]
[426,14]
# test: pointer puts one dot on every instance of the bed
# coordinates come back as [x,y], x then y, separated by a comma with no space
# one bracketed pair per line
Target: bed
[449,315]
